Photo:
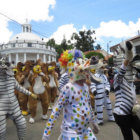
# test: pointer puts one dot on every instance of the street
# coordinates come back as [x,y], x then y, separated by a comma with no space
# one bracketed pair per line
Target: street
[109,131]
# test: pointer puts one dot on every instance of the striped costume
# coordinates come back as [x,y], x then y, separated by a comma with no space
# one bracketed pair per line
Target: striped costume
[101,98]
[124,93]
[9,106]
[125,99]
[64,79]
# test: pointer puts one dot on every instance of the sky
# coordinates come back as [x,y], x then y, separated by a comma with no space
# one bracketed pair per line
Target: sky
[112,20]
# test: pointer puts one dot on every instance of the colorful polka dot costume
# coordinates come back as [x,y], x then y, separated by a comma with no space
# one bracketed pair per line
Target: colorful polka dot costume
[77,114]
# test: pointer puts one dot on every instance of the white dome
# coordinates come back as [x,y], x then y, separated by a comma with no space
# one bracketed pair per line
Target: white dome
[26,36]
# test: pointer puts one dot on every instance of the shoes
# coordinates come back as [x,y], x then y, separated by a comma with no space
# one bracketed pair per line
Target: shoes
[31,120]
[50,108]
[111,119]
[101,123]
[44,117]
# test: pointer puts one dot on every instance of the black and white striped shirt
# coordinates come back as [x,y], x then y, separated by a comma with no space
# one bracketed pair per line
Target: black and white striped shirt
[100,87]
[124,93]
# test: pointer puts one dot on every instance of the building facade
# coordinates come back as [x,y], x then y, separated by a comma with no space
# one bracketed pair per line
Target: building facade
[136,48]
[28,46]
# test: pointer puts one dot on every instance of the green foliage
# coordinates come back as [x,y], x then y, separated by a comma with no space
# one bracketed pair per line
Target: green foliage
[51,43]
[59,48]
[98,47]
[90,54]
[110,61]
[84,40]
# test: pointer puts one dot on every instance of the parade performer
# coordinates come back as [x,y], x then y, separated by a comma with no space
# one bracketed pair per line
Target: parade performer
[38,82]
[101,88]
[125,91]
[52,84]
[65,57]
[19,77]
[9,106]
[23,99]
[75,101]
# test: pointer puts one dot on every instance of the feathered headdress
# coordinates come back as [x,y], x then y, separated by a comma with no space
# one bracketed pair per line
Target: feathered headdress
[68,56]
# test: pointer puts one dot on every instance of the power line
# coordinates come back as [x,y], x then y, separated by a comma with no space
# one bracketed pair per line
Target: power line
[21,24]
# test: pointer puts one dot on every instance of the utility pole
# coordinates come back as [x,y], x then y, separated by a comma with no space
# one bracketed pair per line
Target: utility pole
[108,47]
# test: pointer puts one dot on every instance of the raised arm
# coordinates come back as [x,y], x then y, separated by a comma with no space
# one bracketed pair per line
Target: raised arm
[63,80]
[127,47]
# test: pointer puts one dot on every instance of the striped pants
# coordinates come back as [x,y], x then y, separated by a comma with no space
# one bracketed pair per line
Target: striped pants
[20,123]
[99,102]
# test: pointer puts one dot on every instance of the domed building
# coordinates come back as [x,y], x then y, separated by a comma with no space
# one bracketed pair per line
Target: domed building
[28,46]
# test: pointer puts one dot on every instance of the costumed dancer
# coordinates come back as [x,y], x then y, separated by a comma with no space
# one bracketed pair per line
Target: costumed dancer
[125,96]
[65,57]
[74,99]
[23,99]
[101,89]
[52,85]
[19,77]
[9,106]
[38,81]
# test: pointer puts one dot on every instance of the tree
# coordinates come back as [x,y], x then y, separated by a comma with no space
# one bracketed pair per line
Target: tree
[90,54]
[64,44]
[98,47]
[84,40]
[59,47]
[110,61]
[51,43]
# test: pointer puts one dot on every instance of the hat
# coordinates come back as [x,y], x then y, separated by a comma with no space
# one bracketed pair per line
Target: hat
[68,56]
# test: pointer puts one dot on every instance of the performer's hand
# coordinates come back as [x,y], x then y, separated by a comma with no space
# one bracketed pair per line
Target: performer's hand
[136,109]
[45,137]
[107,92]
[34,96]
[41,74]
[95,128]
[128,51]
[95,93]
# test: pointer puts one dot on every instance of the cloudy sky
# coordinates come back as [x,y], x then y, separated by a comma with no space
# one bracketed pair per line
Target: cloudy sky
[113,20]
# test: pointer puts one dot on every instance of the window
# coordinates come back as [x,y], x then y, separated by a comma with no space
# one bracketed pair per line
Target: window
[13,45]
[20,45]
[29,44]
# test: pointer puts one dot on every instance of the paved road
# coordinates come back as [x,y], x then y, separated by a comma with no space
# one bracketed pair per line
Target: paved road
[109,131]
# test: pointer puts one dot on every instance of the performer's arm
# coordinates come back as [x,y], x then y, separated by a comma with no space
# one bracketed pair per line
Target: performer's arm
[22,89]
[62,100]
